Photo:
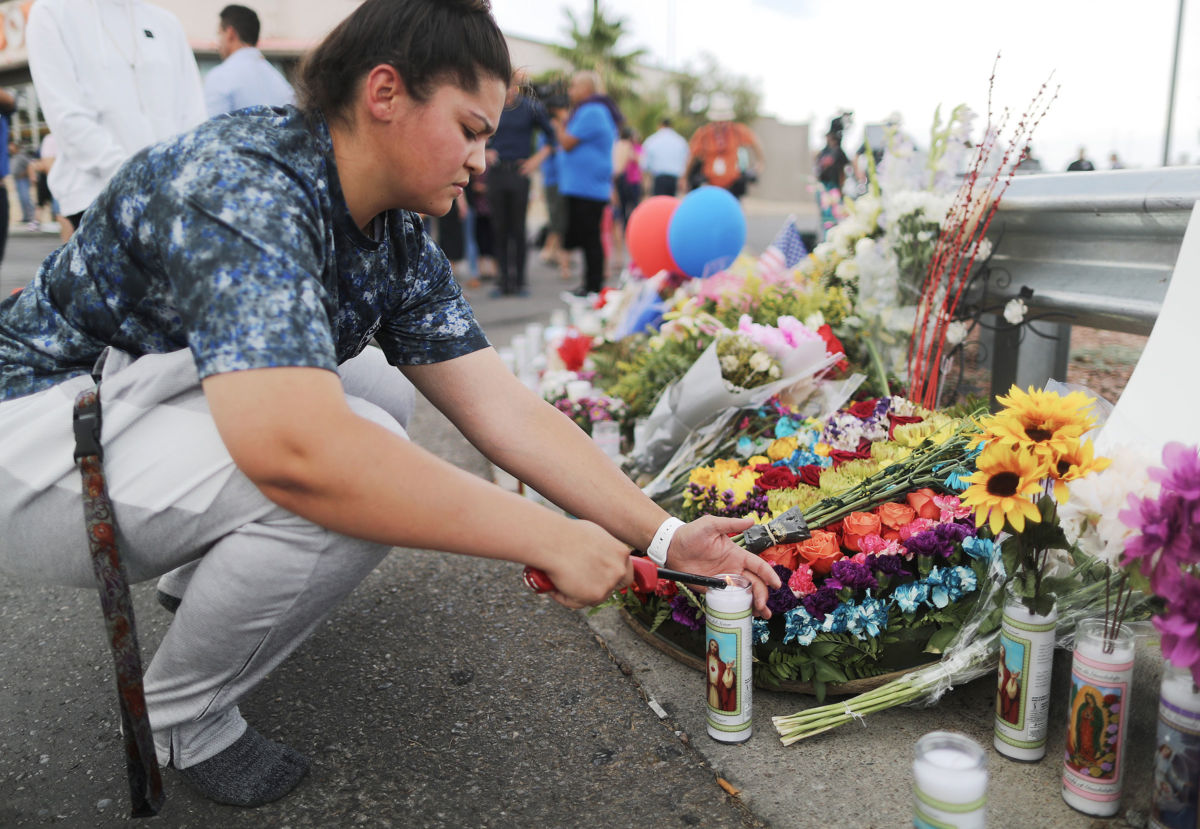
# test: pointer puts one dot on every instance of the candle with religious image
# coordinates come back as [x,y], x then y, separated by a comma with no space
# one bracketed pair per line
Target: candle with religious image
[949,782]
[1097,708]
[728,660]
[1175,798]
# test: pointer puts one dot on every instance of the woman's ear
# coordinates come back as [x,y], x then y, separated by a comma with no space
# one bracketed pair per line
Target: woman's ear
[385,92]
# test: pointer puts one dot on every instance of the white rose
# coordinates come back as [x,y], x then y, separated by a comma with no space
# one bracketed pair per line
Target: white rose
[956,332]
[864,247]
[729,364]
[1014,311]
[761,361]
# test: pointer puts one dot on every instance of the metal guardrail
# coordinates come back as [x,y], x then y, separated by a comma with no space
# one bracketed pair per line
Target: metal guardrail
[1096,249]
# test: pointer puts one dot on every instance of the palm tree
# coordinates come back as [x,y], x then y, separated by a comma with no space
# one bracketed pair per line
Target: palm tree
[595,48]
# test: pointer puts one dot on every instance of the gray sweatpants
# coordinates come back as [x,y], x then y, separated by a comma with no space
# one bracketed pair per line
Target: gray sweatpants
[255,579]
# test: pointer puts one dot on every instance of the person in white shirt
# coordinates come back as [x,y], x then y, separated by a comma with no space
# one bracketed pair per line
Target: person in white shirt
[244,77]
[664,155]
[112,77]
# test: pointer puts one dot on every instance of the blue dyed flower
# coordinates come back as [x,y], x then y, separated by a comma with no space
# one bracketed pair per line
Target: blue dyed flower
[909,597]
[801,628]
[760,630]
[785,427]
[869,618]
[939,592]
[956,480]
[983,549]
[745,446]
[958,581]
[839,620]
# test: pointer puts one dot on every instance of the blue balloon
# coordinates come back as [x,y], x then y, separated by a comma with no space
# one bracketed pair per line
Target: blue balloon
[707,231]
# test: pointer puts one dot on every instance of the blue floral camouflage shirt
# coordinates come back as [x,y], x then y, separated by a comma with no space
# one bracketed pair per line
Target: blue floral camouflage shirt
[234,240]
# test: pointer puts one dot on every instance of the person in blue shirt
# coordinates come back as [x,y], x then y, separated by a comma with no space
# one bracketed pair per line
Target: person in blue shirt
[244,77]
[585,178]
[511,161]
[226,288]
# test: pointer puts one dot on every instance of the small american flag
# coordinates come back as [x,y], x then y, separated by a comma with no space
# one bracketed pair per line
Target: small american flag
[784,252]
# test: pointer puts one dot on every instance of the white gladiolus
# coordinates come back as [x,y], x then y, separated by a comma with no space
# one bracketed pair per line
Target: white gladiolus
[847,271]
[1090,517]
[1015,311]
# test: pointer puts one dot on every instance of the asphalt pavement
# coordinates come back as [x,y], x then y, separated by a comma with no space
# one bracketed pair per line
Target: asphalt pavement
[442,693]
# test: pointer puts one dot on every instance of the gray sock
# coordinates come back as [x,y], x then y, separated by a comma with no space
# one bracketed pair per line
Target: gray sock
[251,772]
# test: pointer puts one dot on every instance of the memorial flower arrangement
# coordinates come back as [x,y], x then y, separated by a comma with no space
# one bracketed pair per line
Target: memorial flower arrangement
[880,575]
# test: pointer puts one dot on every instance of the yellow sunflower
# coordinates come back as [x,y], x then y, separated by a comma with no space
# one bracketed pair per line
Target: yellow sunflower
[1042,420]
[1002,488]
[1075,463]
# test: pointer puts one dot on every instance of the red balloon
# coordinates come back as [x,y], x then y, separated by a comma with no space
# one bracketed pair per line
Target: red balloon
[646,235]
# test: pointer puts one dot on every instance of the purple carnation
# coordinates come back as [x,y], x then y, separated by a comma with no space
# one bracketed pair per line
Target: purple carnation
[929,543]
[952,532]
[685,613]
[822,602]
[1182,472]
[781,599]
[853,575]
[888,565]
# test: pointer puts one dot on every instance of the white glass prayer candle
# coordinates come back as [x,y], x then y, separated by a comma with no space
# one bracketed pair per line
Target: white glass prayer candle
[1097,710]
[949,782]
[1175,800]
[729,660]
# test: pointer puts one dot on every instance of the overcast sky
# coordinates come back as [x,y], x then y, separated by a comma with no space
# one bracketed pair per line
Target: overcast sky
[810,58]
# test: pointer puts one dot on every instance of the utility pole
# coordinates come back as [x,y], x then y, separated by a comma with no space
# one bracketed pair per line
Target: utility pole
[1166,156]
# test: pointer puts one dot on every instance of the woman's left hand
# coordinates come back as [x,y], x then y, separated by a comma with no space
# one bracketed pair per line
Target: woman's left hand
[703,547]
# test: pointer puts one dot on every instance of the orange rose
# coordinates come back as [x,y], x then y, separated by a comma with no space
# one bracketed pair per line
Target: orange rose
[820,551]
[895,516]
[921,500]
[856,526]
[784,554]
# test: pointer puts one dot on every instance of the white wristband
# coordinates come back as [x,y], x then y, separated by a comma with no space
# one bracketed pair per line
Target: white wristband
[657,551]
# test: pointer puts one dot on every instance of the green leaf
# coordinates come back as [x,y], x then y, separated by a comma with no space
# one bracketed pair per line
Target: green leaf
[940,639]
[828,672]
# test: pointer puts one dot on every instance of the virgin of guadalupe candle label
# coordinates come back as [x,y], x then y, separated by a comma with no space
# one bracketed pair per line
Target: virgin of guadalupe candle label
[728,665]
[1023,685]
[1176,796]
[1095,722]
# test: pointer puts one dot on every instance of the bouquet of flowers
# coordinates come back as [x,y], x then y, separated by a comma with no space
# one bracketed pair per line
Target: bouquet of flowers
[1165,550]
[588,410]
[797,355]
[1028,452]
[891,564]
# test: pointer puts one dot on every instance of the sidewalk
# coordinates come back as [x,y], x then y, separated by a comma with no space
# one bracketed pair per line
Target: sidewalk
[443,693]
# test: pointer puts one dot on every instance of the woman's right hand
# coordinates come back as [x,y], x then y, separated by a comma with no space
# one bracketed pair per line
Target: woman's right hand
[595,565]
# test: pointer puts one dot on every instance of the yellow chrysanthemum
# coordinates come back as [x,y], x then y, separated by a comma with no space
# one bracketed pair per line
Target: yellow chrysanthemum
[755,460]
[822,449]
[741,485]
[1077,462]
[1043,420]
[1001,489]
[782,448]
